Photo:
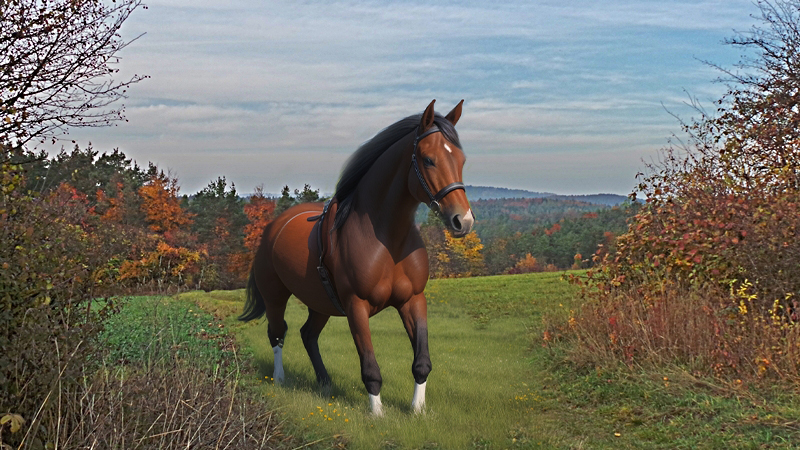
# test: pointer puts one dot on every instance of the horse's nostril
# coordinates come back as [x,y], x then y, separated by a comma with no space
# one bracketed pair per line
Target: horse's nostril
[457,222]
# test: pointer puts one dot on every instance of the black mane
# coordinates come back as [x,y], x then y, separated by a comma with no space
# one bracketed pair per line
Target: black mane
[360,162]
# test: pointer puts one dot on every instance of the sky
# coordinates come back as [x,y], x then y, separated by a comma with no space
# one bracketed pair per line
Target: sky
[569,97]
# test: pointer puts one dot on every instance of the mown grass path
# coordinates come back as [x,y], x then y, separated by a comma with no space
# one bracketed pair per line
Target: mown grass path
[493,385]
[483,387]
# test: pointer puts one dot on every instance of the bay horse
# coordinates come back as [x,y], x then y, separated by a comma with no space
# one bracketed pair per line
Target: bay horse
[361,252]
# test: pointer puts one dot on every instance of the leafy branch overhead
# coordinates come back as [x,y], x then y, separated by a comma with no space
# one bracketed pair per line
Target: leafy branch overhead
[58,60]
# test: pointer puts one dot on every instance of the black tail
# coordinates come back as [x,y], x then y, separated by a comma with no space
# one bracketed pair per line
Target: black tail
[254,305]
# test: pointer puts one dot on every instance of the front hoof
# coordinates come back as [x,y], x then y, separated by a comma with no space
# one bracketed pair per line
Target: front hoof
[418,402]
[375,405]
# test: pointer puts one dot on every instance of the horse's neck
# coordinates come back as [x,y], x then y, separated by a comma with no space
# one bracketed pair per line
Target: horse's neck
[383,195]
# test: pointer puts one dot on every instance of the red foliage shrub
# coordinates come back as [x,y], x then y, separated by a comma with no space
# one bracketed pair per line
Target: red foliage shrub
[707,273]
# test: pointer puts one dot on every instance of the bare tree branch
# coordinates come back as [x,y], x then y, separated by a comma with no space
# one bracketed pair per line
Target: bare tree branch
[57,65]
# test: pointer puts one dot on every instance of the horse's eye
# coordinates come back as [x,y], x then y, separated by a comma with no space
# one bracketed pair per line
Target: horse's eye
[428,162]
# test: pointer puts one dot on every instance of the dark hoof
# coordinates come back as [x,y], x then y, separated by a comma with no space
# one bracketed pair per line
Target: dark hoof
[324,386]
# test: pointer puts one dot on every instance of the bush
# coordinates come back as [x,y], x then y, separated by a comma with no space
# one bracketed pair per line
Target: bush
[50,274]
[707,273]
[706,332]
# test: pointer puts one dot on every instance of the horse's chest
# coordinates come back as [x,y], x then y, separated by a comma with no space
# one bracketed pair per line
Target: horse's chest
[388,290]
[385,279]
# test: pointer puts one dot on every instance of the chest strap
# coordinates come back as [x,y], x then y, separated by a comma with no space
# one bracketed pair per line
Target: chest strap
[323,271]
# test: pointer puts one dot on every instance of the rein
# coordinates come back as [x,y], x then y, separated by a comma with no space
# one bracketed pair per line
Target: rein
[434,198]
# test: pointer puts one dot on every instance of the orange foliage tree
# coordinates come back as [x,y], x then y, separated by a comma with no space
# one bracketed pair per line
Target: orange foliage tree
[113,208]
[164,264]
[166,257]
[259,212]
[161,205]
[448,256]
[526,265]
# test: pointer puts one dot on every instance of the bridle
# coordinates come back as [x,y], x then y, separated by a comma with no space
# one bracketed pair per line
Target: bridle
[434,198]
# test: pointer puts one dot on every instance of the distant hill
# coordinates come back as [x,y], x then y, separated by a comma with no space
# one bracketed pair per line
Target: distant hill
[489,193]
[599,199]
[475,193]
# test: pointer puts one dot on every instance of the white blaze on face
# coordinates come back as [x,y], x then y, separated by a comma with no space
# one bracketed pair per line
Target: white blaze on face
[469,216]
[447,147]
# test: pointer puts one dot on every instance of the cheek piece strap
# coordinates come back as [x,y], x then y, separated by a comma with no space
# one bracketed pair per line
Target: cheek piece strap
[434,198]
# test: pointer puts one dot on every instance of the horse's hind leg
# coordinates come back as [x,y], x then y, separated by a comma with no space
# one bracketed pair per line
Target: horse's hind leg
[275,296]
[310,333]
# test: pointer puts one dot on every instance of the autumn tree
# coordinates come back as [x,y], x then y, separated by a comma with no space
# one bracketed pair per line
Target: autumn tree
[724,206]
[161,204]
[449,256]
[259,211]
[57,70]
[465,255]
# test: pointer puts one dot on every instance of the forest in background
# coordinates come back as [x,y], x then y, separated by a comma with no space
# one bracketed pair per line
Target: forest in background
[206,240]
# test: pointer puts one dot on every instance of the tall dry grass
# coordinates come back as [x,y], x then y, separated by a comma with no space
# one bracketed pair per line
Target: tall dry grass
[157,407]
[707,332]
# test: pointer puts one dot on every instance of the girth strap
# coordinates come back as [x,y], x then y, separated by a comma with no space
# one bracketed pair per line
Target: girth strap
[323,271]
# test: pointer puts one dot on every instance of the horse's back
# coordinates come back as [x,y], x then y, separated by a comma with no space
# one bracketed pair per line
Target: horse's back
[289,251]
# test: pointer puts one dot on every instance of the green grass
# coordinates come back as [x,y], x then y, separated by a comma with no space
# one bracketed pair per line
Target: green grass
[163,330]
[494,385]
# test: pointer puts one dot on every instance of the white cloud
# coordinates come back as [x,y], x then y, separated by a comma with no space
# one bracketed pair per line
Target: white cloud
[251,90]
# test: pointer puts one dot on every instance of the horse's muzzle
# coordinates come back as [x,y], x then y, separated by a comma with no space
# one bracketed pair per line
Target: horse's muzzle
[460,225]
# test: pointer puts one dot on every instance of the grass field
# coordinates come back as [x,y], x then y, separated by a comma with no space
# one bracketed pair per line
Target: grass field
[494,385]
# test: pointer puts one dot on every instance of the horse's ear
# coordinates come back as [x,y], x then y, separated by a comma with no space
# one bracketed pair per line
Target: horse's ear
[427,119]
[455,114]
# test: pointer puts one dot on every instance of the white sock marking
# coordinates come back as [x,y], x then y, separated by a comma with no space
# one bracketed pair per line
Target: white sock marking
[277,375]
[375,405]
[418,402]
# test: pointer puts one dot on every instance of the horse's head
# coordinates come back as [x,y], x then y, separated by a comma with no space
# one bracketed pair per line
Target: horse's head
[436,165]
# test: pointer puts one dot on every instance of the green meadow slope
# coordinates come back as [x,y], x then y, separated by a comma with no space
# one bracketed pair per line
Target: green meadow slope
[494,384]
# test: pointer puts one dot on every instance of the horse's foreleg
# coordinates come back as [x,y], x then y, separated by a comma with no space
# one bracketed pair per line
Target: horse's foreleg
[358,319]
[415,318]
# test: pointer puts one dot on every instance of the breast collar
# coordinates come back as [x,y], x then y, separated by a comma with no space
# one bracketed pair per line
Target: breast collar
[434,198]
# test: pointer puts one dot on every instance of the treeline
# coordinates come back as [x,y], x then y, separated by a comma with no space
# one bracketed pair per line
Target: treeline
[206,240]
[544,234]
[520,235]
[565,243]
[156,237]
[500,218]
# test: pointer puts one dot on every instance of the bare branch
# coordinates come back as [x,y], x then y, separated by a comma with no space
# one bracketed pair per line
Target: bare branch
[57,66]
